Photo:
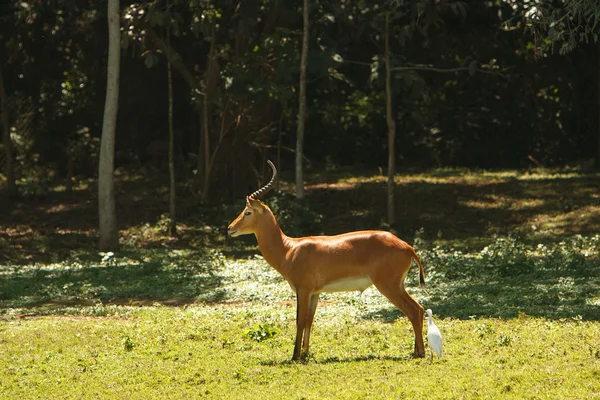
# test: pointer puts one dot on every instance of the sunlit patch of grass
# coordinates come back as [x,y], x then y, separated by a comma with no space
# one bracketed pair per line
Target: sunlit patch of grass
[148,234]
[566,223]
[486,203]
[453,175]
[497,201]
[525,204]
[556,173]
[201,351]
[594,301]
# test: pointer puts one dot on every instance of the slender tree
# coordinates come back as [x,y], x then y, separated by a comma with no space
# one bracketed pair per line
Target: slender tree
[206,147]
[598,108]
[302,105]
[391,127]
[172,207]
[209,83]
[109,238]
[11,188]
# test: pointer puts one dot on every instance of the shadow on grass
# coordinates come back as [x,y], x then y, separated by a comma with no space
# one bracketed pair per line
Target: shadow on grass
[339,360]
[463,209]
[368,357]
[135,279]
[462,206]
[480,301]
[26,246]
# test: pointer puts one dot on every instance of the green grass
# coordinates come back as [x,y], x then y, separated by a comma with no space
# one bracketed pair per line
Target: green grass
[204,351]
[518,321]
[511,260]
[82,278]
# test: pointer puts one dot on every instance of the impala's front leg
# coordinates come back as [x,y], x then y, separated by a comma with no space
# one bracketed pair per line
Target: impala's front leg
[302,313]
[314,299]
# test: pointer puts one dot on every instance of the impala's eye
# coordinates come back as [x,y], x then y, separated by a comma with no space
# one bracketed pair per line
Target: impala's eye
[247,212]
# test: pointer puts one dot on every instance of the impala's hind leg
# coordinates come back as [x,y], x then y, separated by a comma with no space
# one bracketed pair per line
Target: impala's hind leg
[396,293]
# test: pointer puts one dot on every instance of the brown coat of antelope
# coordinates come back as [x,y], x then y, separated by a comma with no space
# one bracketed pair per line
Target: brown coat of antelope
[315,264]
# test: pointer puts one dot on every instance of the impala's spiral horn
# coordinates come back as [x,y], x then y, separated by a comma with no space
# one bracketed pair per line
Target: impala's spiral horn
[263,190]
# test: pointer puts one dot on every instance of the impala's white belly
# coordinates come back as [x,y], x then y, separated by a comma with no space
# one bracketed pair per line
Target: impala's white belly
[359,283]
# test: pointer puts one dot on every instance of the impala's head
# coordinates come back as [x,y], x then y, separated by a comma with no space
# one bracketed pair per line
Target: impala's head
[249,219]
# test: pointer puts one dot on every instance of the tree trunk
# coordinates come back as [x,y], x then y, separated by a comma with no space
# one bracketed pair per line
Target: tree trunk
[206,140]
[302,106]
[11,188]
[209,84]
[279,133]
[598,109]
[199,166]
[109,239]
[172,208]
[391,125]
[70,169]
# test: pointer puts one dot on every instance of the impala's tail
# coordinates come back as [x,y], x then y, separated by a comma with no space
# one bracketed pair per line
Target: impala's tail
[421,269]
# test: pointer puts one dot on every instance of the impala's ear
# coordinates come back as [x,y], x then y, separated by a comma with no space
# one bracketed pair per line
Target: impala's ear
[255,204]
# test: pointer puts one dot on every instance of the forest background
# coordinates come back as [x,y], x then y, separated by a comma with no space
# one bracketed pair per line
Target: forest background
[473,86]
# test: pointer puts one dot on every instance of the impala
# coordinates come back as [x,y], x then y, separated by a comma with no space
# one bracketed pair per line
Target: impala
[315,264]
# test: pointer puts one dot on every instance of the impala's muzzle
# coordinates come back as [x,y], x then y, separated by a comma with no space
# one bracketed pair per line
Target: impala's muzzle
[231,231]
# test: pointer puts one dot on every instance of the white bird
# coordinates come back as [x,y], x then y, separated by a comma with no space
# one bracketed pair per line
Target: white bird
[434,337]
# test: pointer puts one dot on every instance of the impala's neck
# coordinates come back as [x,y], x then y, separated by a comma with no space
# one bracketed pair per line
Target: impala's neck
[272,242]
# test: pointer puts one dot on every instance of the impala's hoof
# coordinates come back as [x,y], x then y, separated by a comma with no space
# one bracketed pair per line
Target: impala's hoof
[302,357]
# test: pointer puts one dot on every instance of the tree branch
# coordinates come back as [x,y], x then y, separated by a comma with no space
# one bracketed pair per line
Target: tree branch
[449,70]
[418,67]
[175,60]
[271,146]
[368,64]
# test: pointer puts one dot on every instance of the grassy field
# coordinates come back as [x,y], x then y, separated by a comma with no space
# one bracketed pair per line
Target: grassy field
[514,285]
[193,352]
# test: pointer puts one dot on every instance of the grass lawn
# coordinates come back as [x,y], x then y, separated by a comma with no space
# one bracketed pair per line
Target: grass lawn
[514,285]
[204,351]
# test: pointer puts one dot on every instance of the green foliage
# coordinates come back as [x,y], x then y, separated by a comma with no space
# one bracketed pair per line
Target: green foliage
[505,340]
[509,256]
[128,344]
[54,66]
[509,276]
[482,330]
[261,332]
[560,26]
[296,217]
[243,77]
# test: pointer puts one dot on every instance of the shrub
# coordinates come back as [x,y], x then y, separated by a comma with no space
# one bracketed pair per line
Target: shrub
[509,256]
